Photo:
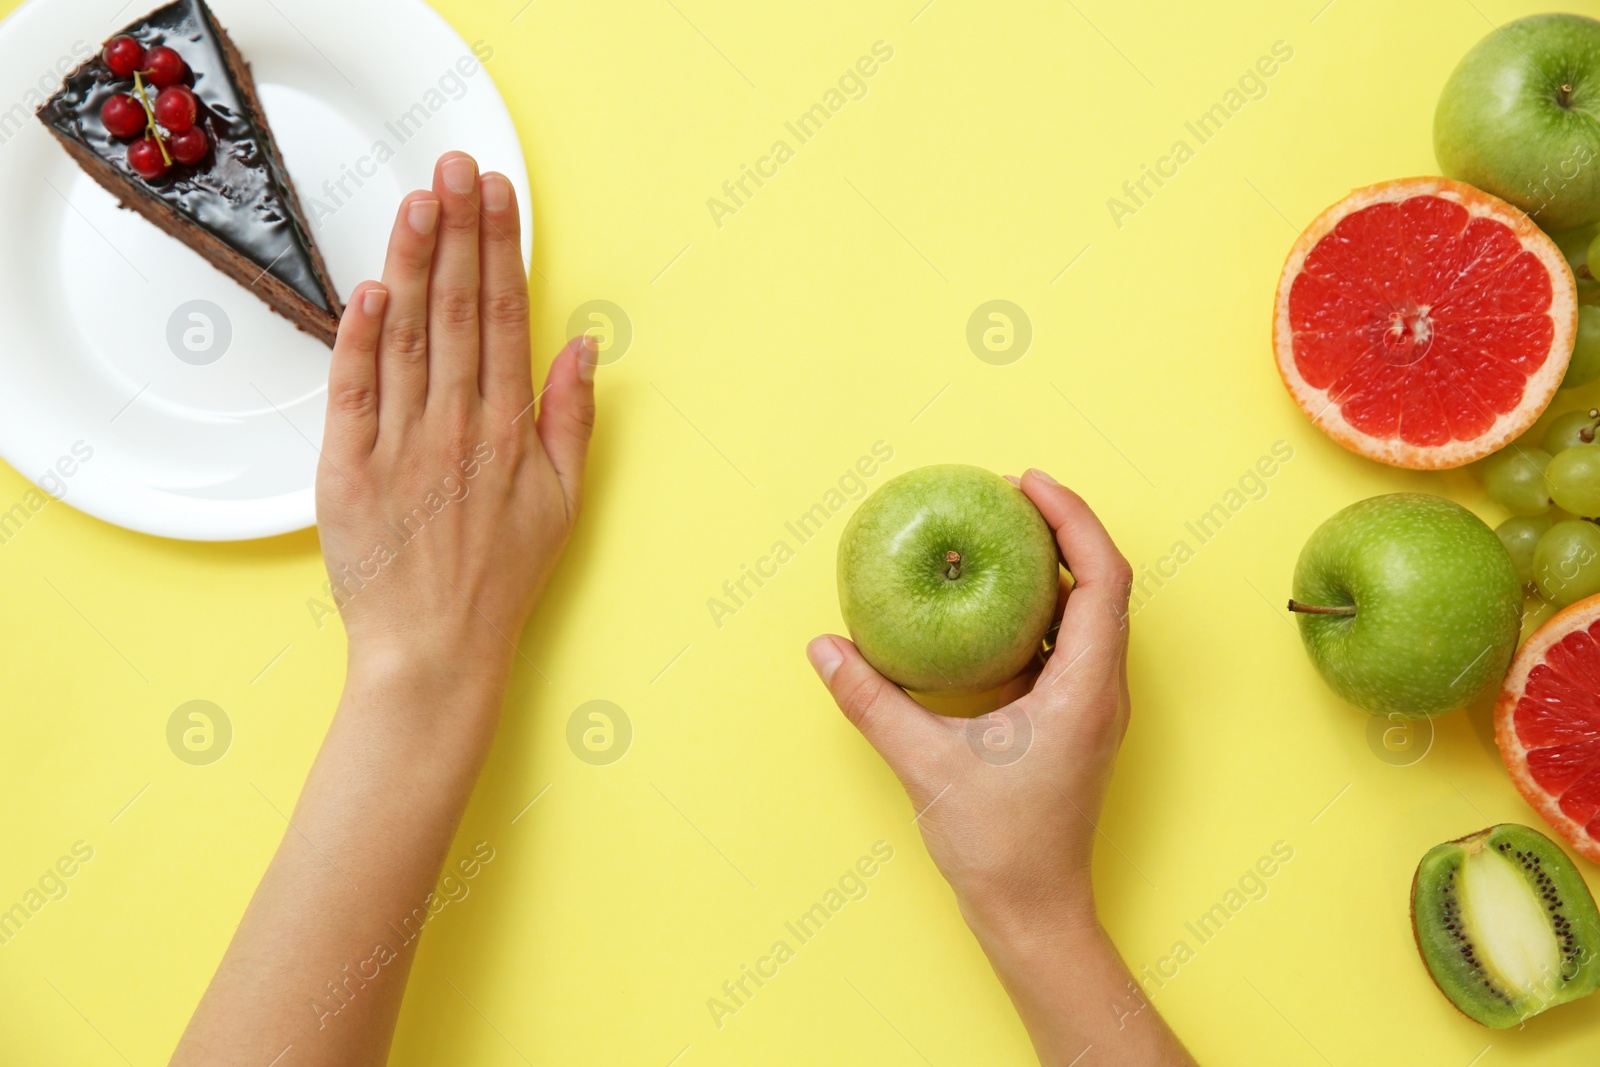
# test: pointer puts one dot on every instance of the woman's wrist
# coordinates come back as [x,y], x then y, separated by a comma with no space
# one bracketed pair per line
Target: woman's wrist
[1033,926]
[424,663]
[433,690]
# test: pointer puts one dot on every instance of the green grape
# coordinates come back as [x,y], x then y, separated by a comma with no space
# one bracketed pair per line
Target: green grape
[1514,478]
[1592,257]
[1585,365]
[1574,244]
[1520,534]
[1568,431]
[1574,479]
[1566,565]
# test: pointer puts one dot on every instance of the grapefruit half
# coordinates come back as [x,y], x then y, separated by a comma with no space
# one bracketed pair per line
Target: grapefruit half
[1424,323]
[1547,724]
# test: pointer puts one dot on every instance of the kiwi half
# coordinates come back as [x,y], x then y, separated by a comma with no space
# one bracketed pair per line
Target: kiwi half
[1505,924]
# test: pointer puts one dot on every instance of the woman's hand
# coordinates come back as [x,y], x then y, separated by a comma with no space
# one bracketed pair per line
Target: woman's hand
[443,500]
[1008,803]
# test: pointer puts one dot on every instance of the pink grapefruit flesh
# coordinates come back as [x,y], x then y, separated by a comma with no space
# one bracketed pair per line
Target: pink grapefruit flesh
[1424,323]
[1547,724]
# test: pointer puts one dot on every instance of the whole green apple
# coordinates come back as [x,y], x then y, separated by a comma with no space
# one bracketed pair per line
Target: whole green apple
[1520,118]
[1410,605]
[948,578]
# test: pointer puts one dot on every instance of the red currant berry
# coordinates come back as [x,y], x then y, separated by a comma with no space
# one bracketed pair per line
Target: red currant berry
[123,55]
[144,156]
[164,67]
[123,116]
[176,108]
[189,146]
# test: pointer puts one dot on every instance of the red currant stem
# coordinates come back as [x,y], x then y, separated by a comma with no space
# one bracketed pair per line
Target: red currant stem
[150,115]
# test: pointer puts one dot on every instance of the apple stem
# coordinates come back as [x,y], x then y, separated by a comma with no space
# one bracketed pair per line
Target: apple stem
[1318,609]
[1564,97]
[953,558]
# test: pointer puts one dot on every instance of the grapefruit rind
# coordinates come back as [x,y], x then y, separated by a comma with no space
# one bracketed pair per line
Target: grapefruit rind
[1513,753]
[1325,412]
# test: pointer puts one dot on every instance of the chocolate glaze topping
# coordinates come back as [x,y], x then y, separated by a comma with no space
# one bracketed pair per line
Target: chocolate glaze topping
[235,191]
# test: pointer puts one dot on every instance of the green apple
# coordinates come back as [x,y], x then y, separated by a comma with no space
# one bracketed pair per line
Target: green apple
[1409,605]
[1520,118]
[948,578]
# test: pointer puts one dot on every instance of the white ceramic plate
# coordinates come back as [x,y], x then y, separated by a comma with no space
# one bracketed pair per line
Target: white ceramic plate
[186,438]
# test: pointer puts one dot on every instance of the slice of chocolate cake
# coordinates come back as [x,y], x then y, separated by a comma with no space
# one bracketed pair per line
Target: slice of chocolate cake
[167,119]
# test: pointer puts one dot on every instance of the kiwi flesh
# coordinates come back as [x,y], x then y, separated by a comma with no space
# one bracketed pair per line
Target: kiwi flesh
[1505,924]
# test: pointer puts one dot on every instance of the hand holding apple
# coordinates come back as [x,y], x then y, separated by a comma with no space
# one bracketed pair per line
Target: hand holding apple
[1008,803]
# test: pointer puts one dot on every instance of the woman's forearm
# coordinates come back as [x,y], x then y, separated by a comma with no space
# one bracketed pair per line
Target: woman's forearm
[320,960]
[1012,825]
[431,416]
[1073,992]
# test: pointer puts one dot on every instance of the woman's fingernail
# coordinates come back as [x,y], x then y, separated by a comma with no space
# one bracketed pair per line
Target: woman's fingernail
[588,356]
[372,301]
[1042,476]
[496,193]
[423,215]
[460,174]
[825,657]
[1014,480]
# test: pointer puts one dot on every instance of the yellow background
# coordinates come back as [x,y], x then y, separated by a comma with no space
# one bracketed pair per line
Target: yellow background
[822,317]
